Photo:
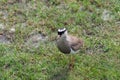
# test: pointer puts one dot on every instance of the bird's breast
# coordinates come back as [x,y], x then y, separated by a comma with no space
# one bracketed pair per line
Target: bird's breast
[63,46]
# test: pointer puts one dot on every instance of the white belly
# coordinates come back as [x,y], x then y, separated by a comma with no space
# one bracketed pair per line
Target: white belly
[73,52]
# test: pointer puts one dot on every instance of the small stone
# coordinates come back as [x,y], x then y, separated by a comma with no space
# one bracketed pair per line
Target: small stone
[12,30]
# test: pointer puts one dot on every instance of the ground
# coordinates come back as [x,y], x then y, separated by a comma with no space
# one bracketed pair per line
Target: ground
[28,31]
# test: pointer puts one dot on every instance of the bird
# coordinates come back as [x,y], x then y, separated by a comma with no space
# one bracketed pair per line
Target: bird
[68,44]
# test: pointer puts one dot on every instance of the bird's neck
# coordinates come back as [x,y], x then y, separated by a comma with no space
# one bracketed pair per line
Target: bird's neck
[64,36]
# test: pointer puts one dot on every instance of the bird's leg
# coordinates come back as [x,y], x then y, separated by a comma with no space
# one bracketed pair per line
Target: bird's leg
[71,65]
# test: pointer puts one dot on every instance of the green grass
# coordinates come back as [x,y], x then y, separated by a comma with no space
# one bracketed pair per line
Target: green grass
[99,59]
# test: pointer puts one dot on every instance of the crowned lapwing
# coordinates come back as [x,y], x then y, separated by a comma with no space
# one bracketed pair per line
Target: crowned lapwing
[67,43]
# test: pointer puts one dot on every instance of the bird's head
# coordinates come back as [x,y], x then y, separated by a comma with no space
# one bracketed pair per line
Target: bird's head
[62,32]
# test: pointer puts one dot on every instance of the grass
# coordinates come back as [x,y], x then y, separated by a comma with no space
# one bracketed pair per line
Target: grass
[30,59]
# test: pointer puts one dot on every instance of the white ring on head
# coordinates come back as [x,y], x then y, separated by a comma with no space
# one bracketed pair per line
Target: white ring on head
[61,30]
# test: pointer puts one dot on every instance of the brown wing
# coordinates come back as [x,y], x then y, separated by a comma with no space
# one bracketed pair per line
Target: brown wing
[75,43]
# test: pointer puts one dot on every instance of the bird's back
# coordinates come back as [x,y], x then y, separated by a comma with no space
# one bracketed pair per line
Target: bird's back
[74,42]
